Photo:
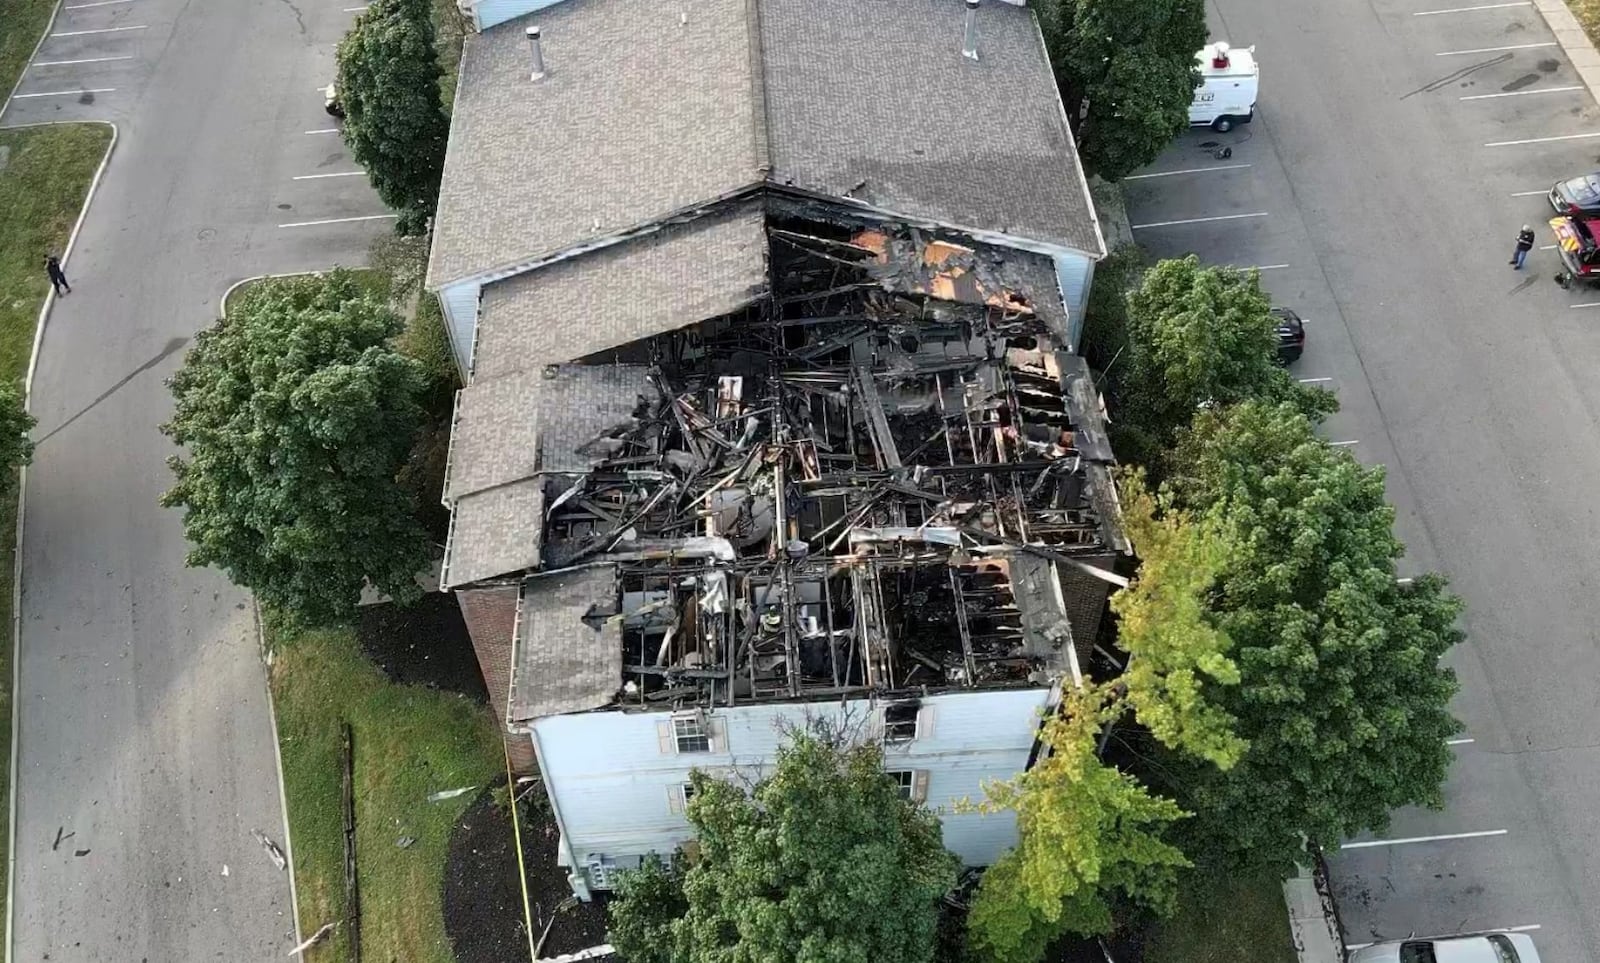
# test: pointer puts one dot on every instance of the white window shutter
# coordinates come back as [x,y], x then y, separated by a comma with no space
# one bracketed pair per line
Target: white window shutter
[874,731]
[925,722]
[675,799]
[668,742]
[717,731]
[919,785]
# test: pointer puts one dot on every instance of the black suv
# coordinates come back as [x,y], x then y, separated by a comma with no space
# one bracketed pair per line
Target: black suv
[1291,335]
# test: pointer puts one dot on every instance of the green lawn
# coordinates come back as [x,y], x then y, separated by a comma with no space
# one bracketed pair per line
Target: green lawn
[410,742]
[21,23]
[1224,919]
[1588,14]
[42,188]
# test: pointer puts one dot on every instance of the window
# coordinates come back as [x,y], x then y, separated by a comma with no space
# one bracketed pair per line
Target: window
[904,780]
[900,722]
[690,734]
[688,792]
[1504,952]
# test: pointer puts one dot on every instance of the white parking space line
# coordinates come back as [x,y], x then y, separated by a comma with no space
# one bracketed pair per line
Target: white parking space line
[355,9]
[1542,140]
[1344,444]
[1486,6]
[1548,247]
[1371,843]
[1314,381]
[85,33]
[1479,50]
[68,63]
[1264,267]
[1525,93]
[1201,220]
[325,130]
[1590,304]
[96,3]
[66,93]
[1186,170]
[342,220]
[318,177]
[1530,194]
[1459,742]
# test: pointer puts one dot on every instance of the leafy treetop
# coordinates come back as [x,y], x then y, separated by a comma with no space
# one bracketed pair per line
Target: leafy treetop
[823,861]
[295,414]
[1341,695]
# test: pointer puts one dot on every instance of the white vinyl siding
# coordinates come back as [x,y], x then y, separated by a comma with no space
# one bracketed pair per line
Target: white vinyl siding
[460,305]
[616,778]
[491,12]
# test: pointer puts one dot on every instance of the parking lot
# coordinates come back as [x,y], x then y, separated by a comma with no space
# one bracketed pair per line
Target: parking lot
[97,64]
[143,722]
[1398,148]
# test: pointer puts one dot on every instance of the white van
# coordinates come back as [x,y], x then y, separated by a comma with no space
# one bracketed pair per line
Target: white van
[1227,91]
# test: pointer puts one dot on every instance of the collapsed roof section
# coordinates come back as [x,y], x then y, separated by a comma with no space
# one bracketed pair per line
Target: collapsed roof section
[867,479]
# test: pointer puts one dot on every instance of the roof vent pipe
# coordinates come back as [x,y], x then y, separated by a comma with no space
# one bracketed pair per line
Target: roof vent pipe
[969,43]
[538,53]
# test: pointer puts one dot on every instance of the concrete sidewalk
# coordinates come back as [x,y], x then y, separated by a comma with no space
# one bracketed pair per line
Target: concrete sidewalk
[1313,920]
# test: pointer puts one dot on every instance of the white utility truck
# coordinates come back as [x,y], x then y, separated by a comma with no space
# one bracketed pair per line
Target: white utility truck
[1227,91]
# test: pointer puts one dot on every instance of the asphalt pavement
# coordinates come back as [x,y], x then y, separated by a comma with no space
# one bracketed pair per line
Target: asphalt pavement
[1398,148]
[145,747]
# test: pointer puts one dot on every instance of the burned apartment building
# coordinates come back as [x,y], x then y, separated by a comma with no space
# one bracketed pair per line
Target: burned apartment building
[816,445]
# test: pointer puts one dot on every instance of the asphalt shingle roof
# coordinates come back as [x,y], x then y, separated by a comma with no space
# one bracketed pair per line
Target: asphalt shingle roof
[650,110]
[659,282]
[642,112]
[569,651]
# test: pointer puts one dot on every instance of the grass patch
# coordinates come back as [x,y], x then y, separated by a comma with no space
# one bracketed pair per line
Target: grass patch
[1588,14]
[1223,919]
[21,23]
[375,282]
[42,188]
[410,742]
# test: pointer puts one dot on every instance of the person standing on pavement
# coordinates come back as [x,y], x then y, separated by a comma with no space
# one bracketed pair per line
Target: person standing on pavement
[1524,245]
[58,277]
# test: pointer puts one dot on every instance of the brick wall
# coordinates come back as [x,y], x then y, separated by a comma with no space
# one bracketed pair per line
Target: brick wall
[491,617]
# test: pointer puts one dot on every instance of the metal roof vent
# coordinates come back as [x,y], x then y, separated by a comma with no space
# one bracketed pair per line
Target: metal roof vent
[537,52]
[969,43]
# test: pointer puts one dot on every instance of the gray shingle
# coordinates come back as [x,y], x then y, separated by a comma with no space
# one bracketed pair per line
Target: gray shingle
[494,532]
[680,275]
[569,653]
[536,420]
[642,113]
[877,94]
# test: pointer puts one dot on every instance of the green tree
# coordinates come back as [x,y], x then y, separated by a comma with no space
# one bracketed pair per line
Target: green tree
[1127,74]
[1200,336]
[1341,695]
[821,861]
[295,414]
[644,905]
[394,123]
[16,448]
[1087,833]
[1177,656]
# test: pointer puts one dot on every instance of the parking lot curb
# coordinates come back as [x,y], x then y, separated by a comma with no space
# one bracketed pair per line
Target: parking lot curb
[1313,918]
[1574,42]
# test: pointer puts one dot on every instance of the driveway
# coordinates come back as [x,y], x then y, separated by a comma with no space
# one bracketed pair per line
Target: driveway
[1400,144]
[145,746]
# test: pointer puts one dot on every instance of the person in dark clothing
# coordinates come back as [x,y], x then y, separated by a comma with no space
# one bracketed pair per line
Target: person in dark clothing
[58,277]
[1524,245]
